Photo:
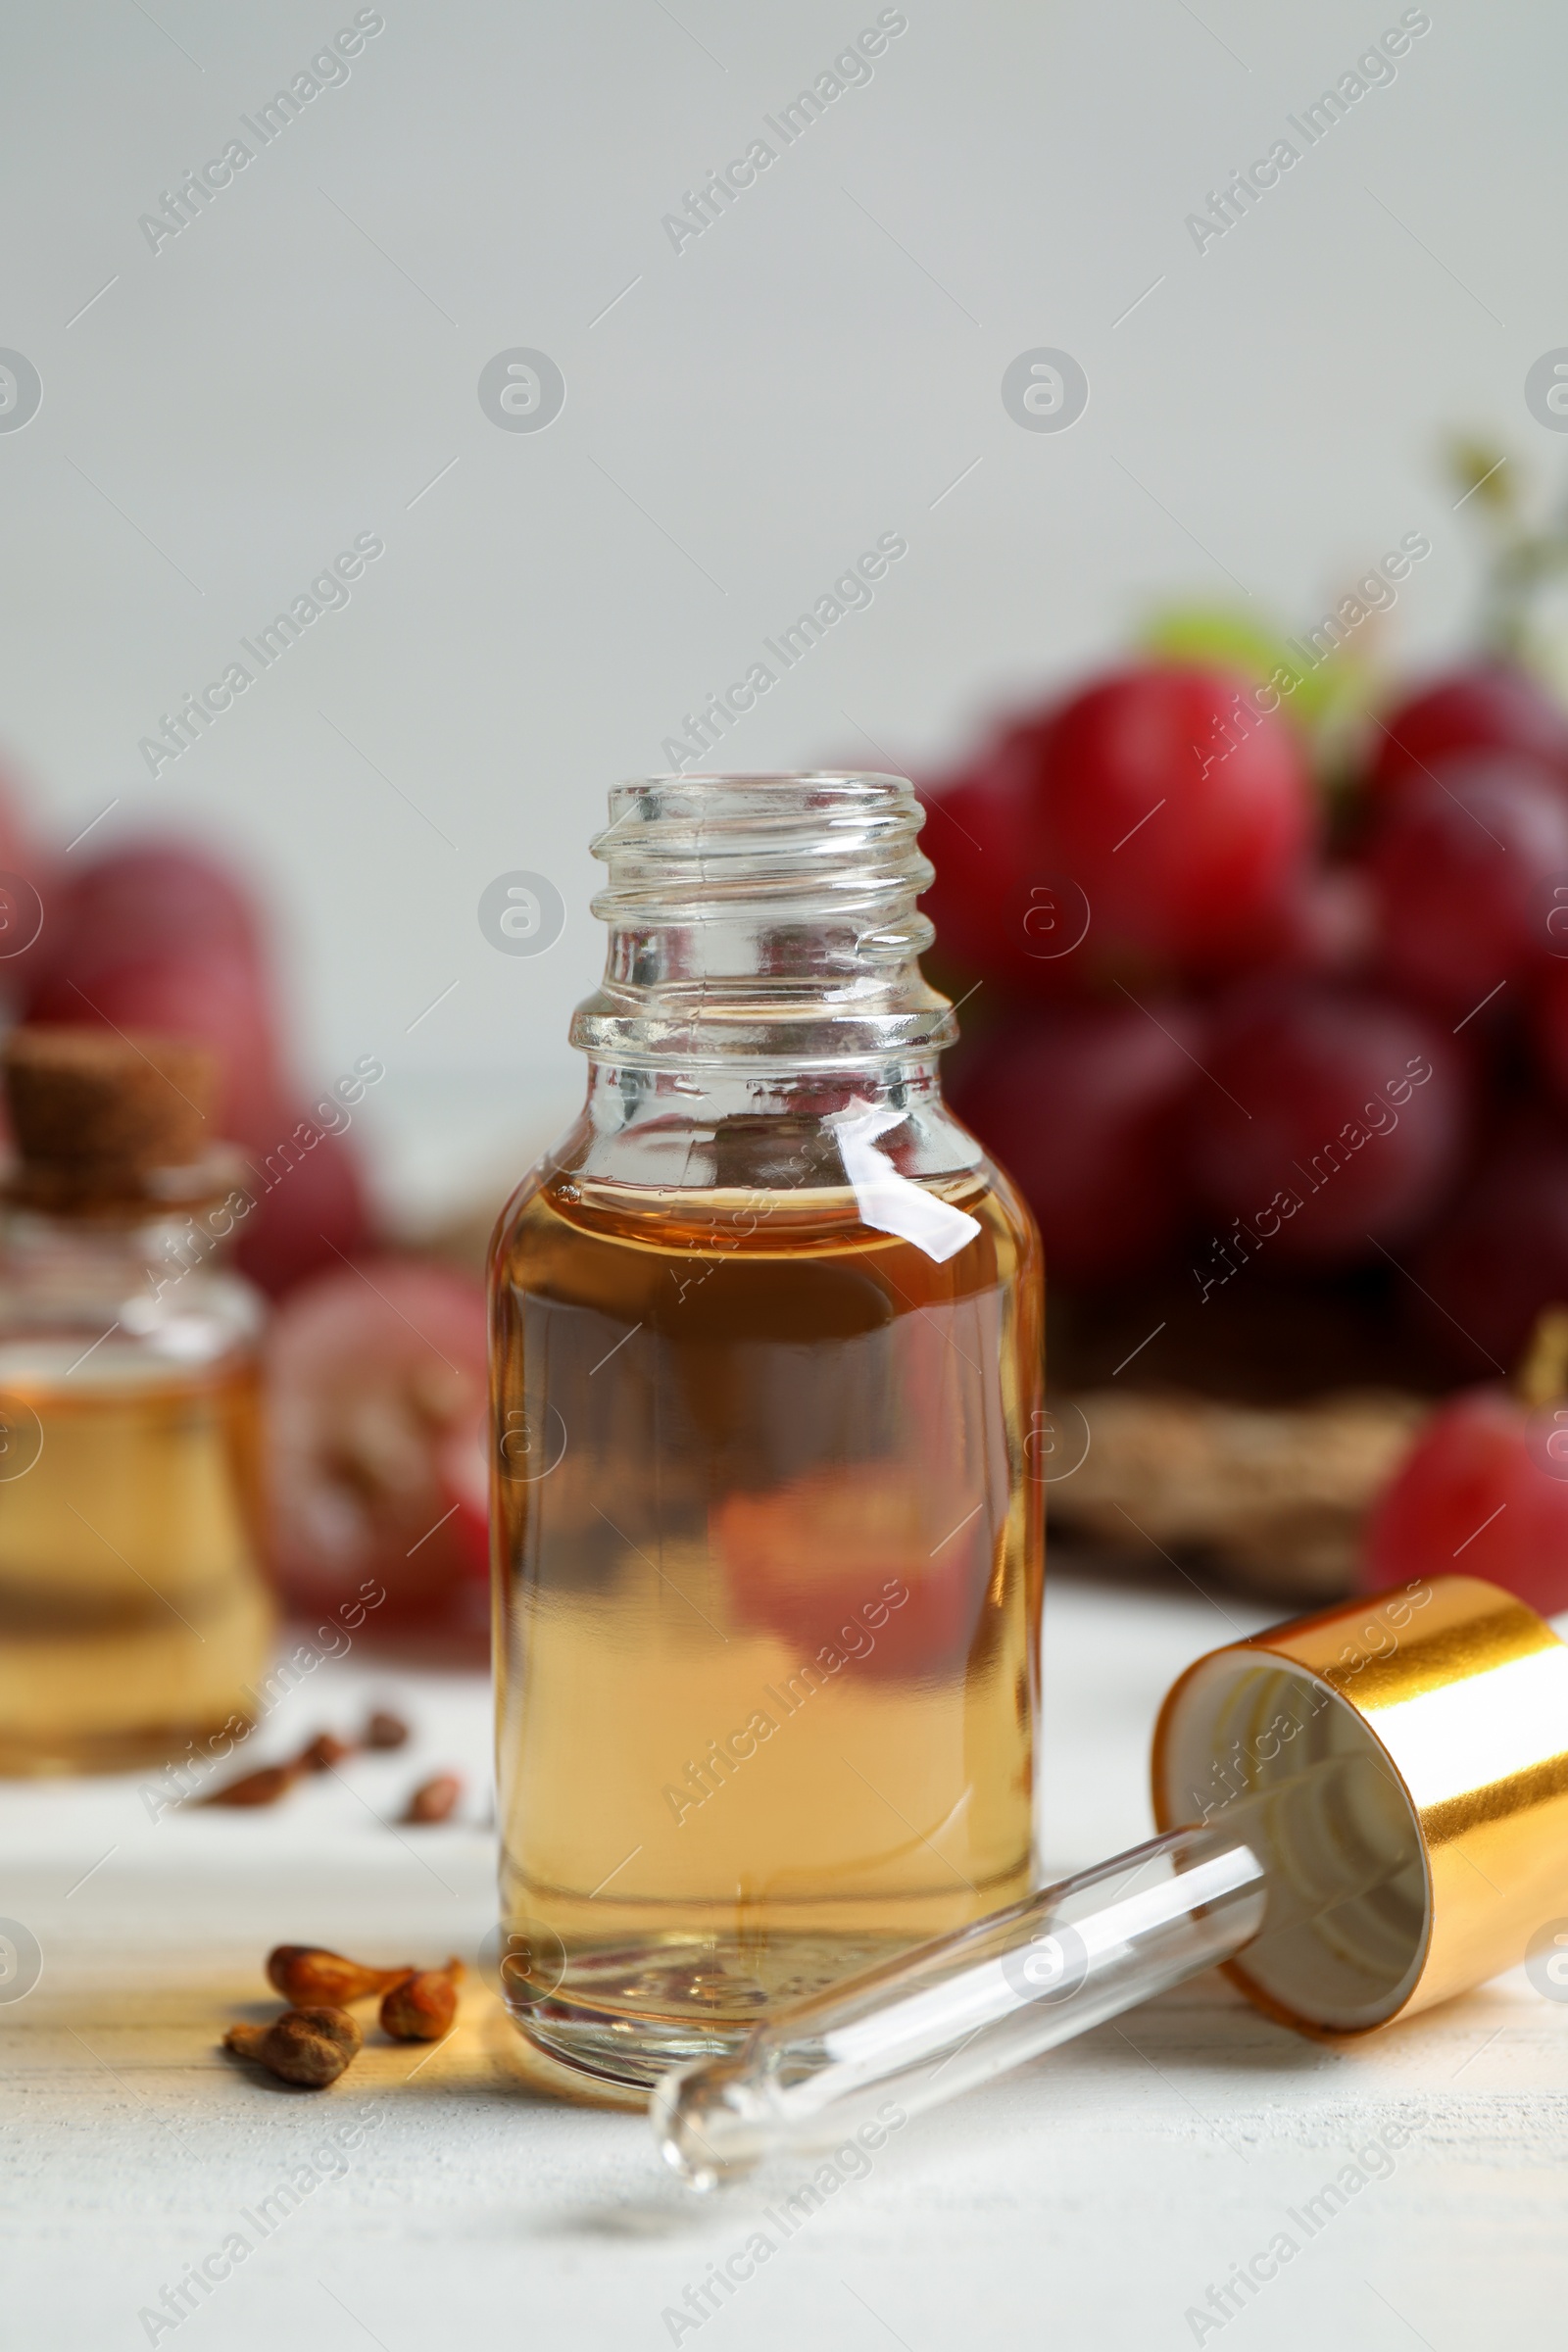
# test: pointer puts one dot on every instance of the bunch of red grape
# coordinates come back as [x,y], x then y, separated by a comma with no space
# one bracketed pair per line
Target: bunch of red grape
[1220,1019]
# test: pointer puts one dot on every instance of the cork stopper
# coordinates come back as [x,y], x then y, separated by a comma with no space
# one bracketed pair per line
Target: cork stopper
[101,1116]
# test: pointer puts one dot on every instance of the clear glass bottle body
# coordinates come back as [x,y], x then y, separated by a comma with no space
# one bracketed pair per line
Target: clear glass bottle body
[768,1534]
[134,1613]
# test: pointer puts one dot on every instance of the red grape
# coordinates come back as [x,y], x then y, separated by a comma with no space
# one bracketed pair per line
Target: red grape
[373,1373]
[1501,1253]
[308,1200]
[178,953]
[154,935]
[464,1464]
[1463,864]
[1550,1023]
[1481,1493]
[310,1211]
[1490,706]
[1184,814]
[1331,1118]
[1326,926]
[1081,1106]
[205,994]
[150,894]
[998,905]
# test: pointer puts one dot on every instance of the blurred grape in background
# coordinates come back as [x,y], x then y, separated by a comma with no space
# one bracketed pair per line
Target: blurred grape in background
[1263,957]
[376,1362]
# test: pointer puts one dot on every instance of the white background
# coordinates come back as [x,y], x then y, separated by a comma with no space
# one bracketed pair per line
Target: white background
[816,369]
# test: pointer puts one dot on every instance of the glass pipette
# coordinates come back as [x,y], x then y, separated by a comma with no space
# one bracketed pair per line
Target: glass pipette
[952,2014]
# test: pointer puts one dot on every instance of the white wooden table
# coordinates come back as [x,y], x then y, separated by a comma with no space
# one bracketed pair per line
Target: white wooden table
[1091,2201]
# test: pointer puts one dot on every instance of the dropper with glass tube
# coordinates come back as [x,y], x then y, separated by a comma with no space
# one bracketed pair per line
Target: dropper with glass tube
[1381,1803]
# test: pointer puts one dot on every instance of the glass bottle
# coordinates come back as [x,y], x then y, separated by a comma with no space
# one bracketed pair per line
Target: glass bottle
[133,1614]
[767,1365]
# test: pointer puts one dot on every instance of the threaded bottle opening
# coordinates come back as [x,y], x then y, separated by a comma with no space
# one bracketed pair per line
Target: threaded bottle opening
[676,845]
[766,917]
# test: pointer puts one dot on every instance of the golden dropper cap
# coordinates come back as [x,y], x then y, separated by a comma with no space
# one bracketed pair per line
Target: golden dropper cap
[1461,1692]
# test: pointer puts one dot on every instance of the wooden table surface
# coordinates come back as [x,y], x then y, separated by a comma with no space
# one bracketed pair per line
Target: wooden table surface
[1092,2200]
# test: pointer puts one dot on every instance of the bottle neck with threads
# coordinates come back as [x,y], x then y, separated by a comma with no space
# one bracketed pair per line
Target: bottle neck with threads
[763,979]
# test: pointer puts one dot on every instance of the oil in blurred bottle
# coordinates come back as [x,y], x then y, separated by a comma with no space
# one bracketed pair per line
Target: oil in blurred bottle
[133,1614]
